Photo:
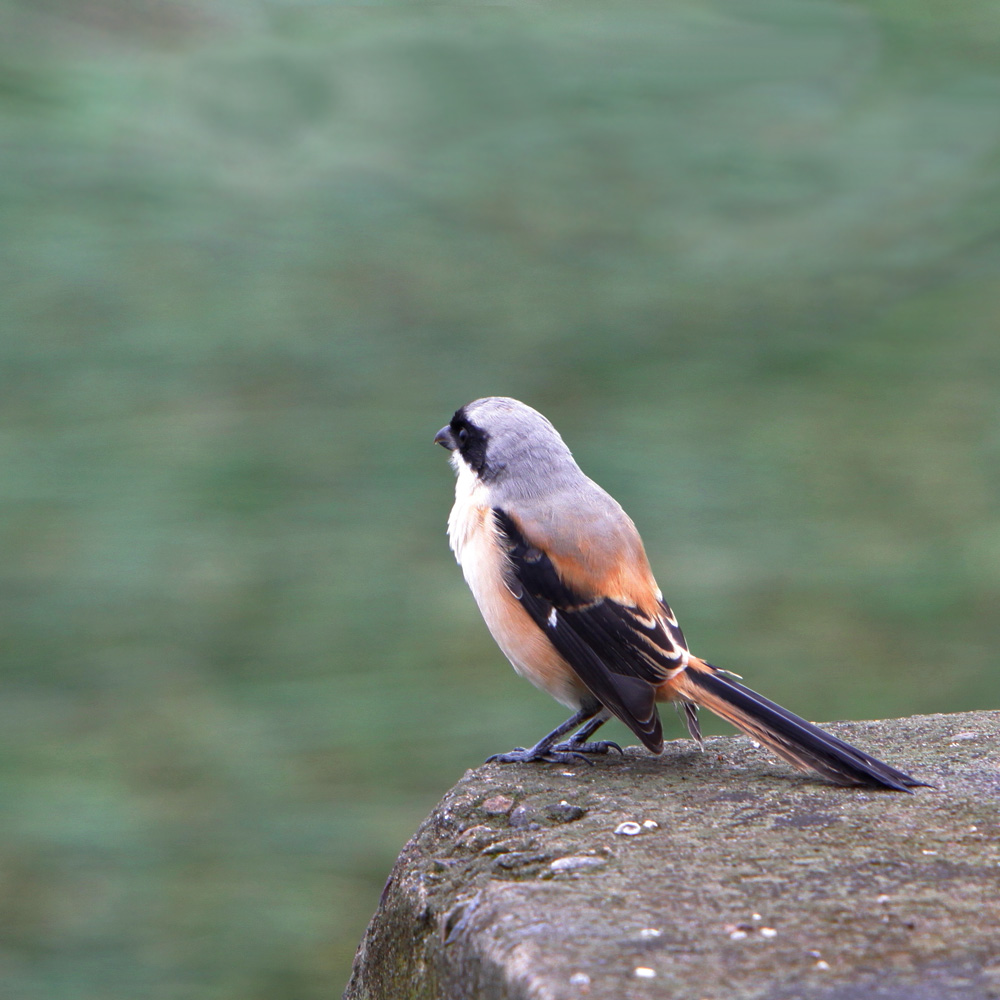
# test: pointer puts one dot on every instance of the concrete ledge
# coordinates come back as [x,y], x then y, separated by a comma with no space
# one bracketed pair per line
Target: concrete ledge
[746,879]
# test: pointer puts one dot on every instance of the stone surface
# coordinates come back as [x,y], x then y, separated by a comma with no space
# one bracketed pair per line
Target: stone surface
[747,879]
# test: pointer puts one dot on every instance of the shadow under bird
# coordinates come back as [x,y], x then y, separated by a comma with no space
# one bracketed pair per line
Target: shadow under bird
[561,577]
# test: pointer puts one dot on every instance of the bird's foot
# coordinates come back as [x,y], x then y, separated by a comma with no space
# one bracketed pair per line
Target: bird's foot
[581,746]
[551,755]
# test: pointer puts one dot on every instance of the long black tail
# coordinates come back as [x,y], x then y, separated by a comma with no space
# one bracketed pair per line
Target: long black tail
[799,742]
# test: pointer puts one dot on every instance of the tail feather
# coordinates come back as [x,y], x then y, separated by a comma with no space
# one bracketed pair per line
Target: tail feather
[688,710]
[801,743]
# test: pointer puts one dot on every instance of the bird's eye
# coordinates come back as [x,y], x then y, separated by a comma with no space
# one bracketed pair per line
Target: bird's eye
[463,435]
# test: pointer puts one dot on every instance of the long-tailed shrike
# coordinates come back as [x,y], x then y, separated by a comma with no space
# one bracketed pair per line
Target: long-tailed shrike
[561,577]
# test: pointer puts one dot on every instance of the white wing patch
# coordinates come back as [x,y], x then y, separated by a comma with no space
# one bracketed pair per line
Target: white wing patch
[553,619]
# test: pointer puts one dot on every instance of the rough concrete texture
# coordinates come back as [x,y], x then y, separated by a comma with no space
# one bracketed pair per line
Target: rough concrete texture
[755,881]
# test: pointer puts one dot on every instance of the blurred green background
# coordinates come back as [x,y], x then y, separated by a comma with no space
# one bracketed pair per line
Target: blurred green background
[746,255]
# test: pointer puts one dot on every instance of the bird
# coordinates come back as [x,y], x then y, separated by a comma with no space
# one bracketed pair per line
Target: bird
[562,579]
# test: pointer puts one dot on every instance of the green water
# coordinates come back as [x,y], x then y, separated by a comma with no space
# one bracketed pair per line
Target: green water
[745,255]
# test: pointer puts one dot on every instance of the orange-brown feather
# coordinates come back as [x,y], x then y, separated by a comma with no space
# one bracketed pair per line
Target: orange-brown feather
[677,687]
[601,564]
[681,688]
[523,643]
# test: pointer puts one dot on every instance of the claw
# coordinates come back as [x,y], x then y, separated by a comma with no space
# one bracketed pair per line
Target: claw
[551,756]
[506,758]
[598,746]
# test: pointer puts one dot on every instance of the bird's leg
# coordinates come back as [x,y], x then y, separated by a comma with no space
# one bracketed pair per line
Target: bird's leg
[548,747]
[578,742]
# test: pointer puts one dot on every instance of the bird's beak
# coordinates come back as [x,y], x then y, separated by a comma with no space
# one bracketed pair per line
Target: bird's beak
[445,438]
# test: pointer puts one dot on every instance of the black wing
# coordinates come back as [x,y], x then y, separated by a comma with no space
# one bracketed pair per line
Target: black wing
[620,654]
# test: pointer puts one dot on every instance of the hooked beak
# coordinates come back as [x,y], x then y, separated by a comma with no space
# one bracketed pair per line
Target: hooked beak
[445,438]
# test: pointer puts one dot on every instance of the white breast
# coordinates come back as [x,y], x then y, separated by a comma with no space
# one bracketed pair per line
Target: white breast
[472,535]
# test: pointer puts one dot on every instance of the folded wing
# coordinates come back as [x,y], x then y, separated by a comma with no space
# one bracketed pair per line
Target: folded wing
[619,652]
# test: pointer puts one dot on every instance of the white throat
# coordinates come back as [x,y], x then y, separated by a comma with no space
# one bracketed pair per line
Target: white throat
[470,499]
